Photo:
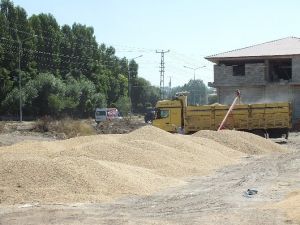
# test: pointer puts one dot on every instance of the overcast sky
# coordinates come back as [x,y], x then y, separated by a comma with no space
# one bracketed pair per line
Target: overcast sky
[190,29]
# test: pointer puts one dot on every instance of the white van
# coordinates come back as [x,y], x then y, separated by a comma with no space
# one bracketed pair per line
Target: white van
[104,114]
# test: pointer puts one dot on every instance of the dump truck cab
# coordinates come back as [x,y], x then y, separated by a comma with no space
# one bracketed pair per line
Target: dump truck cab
[169,113]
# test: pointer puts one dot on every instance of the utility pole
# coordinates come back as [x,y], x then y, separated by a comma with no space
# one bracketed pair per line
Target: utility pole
[20,83]
[194,69]
[162,72]
[20,42]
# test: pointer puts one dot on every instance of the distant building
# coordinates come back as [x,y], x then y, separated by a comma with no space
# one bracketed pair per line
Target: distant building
[266,72]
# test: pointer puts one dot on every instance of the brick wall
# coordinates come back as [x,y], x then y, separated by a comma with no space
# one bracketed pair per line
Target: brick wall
[254,75]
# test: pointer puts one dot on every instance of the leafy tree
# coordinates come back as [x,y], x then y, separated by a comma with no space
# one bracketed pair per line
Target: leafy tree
[63,68]
[133,68]
[48,94]
[48,35]
[197,92]
[6,83]
[98,100]
[36,95]
[142,93]
[123,104]
[11,102]
[212,96]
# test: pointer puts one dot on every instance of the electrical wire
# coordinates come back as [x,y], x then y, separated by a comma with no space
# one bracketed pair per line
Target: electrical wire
[172,62]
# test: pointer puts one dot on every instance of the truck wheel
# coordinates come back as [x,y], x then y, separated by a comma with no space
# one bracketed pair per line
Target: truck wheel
[260,132]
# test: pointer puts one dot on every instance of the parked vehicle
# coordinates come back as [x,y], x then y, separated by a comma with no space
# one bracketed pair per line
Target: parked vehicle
[272,120]
[103,114]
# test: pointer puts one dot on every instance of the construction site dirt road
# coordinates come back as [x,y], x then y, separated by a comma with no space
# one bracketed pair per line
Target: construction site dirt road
[219,198]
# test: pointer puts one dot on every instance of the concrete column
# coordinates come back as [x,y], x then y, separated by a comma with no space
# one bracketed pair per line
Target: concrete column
[267,78]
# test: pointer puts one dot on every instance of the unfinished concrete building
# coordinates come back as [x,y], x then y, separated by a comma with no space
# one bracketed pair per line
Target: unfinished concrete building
[267,72]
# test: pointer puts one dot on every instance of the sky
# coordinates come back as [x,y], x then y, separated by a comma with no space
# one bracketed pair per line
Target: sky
[190,29]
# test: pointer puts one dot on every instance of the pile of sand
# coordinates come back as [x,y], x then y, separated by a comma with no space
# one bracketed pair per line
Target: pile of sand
[103,167]
[241,141]
[291,206]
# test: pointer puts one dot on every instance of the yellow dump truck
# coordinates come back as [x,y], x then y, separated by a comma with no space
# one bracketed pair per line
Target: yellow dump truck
[272,120]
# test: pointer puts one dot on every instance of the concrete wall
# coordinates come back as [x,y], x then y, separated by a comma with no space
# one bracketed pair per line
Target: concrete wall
[258,94]
[278,93]
[249,95]
[296,104]
[254,74]
[296,69]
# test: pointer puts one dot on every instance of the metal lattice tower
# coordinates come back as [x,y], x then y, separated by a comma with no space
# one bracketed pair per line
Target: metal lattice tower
[162,73]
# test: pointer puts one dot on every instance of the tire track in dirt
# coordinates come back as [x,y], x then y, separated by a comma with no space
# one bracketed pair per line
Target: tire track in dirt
[216,199]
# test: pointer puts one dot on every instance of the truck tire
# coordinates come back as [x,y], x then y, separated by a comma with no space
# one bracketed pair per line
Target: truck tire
[260,132]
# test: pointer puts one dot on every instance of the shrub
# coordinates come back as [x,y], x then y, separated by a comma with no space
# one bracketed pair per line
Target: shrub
[2,125]
[68,127]
[43,124]
[73,128]
[123,104]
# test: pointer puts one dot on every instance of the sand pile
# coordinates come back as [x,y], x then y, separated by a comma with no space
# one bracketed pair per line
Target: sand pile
[103,167]
[291,205]
[241,141]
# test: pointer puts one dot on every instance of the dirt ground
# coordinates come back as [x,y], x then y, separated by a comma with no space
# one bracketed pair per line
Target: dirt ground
[14,132]
[122,126]
[216,199]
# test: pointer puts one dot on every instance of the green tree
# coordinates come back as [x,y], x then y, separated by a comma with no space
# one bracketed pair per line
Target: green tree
[197,92]
[50,92]
[41,96]
[64,70]
[142,93]
[212,96]
[48,34]
[123,104]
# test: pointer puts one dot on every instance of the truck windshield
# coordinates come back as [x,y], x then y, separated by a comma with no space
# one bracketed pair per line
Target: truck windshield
[162,113]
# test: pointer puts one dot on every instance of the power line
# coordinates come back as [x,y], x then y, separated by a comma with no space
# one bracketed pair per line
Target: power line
[180,57]
[162,72]
[74,40]
[58,41]
[70,57]
[88,42]
[62,36]
[42,31]
[47,62]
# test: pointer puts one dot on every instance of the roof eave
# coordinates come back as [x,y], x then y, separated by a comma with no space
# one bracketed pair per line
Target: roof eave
[217,59]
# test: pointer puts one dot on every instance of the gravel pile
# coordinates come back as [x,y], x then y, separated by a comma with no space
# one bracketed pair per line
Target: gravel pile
[291,206]
[241,141]
[103,167]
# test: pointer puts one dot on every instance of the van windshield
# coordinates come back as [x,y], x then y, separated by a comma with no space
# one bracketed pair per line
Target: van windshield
[101,113]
